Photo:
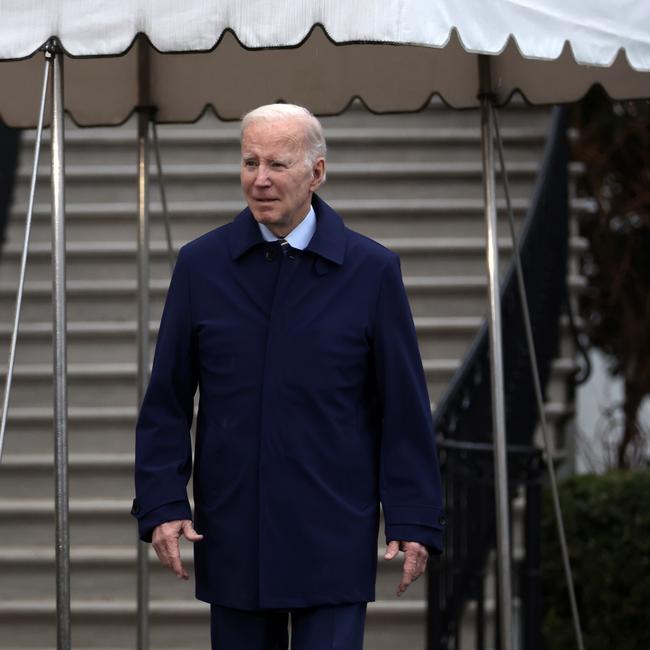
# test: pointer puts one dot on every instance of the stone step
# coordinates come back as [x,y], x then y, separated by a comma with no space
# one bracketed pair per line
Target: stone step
[458,296]
[93,476]
[345,180]
[446,256]
[376,218]
[114,384]
[99,625]
[108,384]
[109,429]
[26,471]
[91,520]
[97,342]
[109,574]
[453,296]
[215,142]
[116,341]
[113,221]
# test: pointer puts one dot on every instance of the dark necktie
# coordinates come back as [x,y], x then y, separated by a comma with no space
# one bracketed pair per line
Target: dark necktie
[273,249]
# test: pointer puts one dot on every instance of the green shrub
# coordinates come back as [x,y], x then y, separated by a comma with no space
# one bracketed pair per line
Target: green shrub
[607,520]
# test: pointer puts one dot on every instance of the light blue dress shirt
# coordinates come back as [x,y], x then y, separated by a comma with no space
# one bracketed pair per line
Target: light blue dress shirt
[299,237]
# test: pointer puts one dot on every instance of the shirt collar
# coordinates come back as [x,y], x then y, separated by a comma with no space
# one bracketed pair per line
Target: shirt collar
[328,240]
[299,237]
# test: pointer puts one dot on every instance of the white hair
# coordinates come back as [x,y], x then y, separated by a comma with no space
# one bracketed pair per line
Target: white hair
[314,143]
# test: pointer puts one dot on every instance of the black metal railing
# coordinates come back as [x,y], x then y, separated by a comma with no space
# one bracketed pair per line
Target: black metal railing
[463,421]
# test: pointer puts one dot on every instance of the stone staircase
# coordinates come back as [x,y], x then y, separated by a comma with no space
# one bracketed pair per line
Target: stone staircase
[411,182]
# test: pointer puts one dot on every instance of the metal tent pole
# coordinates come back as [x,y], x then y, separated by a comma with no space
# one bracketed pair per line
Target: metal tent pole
[163,196]
[496,363]
[521,285]
[144,116]
[54,53]
[23,259]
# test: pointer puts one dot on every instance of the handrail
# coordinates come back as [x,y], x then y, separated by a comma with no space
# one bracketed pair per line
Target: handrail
[462,418]
[473,372]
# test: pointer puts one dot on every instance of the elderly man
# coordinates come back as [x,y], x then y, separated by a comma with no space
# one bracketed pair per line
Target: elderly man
[313,409]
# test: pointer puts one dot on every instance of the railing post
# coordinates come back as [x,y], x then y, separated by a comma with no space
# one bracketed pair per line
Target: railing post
[532,582]
[434,628]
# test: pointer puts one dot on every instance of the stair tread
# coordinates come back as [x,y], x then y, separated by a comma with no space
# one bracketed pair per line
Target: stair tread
[74,412]
[348,169]
[129,286]
[75,460]
[448,245]
[231,208]
[89,328]
[430,206]
[116,554]
[129,413]
[171,607]
[26,506]
[125,368]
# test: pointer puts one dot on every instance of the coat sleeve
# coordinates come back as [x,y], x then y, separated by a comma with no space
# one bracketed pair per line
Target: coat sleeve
[409,478]
[163,447]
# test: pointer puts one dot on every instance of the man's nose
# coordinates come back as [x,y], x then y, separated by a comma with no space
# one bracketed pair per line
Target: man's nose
[262,176]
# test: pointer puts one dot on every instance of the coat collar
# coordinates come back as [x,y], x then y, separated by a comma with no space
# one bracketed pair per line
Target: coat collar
[328,241]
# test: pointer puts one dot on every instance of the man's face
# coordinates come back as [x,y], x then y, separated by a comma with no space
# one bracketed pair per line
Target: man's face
[277,181]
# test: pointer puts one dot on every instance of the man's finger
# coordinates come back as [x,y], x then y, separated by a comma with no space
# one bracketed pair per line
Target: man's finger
[171,550]
[415,562]
[165,543]
[391,550]
[190,534]
[159,544]
[409,571]
[422,563]
[175,563]
[162,556]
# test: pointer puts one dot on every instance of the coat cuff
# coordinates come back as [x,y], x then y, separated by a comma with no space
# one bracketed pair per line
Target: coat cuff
[429,516]
[173,511]
[425,535]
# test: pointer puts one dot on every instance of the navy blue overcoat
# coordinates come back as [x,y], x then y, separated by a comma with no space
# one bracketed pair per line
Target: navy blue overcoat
[313,408]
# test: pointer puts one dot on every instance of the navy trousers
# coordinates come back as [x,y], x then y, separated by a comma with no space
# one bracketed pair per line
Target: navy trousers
[330,627]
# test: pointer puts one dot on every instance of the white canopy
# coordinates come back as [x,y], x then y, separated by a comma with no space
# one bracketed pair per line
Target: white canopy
[184,56]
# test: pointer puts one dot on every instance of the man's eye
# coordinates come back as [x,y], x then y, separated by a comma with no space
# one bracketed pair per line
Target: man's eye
[277,165]
[250,163]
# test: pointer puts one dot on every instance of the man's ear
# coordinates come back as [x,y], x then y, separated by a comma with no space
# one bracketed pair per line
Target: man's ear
[317,174]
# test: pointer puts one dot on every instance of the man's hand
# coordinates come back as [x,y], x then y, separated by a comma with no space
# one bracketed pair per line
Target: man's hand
[415,561]
[165,542]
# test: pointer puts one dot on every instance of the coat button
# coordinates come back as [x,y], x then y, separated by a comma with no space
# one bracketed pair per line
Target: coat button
[135,508]
[442,521]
